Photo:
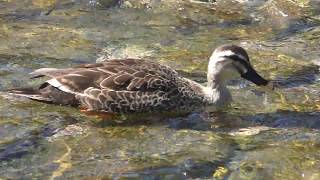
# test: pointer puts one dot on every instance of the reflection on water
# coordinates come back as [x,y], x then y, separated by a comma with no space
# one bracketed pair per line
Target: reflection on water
[263,135]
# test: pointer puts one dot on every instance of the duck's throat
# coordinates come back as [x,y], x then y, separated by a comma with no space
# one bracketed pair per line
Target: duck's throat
[217,93]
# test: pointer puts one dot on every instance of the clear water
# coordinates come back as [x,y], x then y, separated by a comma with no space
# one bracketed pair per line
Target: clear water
[263,135]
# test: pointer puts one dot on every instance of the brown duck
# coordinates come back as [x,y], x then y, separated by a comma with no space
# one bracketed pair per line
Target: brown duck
[135,85]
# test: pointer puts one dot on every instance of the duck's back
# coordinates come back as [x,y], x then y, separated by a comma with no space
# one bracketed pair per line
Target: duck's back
[129,85]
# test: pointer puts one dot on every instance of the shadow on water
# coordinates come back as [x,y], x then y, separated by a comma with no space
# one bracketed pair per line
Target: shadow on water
[223,121]
[31,140]
[306,75]
[299,26]
[187,169]
[287,119]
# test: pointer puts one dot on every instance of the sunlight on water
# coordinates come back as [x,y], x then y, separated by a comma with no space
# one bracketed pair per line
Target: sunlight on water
[262,135]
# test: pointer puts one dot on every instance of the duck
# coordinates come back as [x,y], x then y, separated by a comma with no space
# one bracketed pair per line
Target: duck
[138,85]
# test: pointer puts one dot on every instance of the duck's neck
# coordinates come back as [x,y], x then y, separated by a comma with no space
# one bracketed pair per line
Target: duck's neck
[216,91]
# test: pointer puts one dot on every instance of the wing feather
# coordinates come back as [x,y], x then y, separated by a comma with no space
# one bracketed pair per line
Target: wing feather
[122,79]
[116,85]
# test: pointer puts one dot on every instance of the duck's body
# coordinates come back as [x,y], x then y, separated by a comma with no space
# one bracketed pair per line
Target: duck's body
[134,85]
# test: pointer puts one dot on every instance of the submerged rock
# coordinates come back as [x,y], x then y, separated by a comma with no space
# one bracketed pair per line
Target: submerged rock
[127,51]
[104,3]
[147,4]
[70,130]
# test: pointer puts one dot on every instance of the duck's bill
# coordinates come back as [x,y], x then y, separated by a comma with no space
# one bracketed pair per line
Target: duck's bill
[253,76]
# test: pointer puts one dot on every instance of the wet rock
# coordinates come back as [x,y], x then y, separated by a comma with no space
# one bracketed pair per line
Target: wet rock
[204,1]
[71,130]
[316,62]
[144,4]
[202,169]
[250,131]
[187,26]
[104,3]
[123,52]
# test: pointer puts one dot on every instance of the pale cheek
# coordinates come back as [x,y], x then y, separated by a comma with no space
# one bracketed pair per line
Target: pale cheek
[230,73]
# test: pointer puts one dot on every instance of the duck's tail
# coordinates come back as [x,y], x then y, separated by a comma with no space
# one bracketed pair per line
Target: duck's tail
[47,94]
[31,93]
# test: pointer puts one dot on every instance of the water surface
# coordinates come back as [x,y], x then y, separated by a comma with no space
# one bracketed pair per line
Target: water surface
[263,135]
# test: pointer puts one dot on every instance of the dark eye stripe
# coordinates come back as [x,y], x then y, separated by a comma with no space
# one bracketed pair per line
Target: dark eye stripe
[243,62]
[240,60]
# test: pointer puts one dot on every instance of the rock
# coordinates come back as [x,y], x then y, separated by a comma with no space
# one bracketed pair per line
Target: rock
[70,130]
[103,3]
[250,131]
[124,52]
[316,62]
[147,4]
[109,3]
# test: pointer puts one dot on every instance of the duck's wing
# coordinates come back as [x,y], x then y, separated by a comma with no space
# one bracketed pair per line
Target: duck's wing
[128,74]
[116,85]
[55,72]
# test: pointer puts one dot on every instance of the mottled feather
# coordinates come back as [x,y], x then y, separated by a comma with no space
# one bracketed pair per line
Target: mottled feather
[129,85]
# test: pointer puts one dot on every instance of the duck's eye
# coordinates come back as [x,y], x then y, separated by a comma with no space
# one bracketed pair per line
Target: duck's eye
[239,63]
[240,67]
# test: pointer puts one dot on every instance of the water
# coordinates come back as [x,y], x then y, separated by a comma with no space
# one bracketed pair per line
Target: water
[263,135]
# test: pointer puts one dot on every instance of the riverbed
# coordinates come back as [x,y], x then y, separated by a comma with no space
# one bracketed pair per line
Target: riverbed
[262,135]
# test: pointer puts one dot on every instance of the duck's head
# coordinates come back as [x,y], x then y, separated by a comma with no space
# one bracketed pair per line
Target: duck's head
[229,62]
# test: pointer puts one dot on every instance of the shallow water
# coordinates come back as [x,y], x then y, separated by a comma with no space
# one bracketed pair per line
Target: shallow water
[263,135]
